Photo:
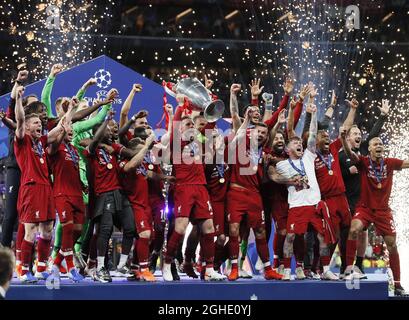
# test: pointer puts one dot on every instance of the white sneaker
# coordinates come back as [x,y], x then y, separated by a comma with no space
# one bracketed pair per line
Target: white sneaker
[244,274]
[212,275]
[280,269]
[286,274]
[359,274]
[329,275]
[299,273]
[167,272]
[260,265]
[91,272]
[55,271]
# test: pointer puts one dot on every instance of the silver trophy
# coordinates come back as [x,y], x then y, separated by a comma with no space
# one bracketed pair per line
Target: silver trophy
[200,98]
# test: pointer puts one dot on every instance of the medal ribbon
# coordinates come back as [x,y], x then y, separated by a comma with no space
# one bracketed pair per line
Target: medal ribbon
[72,154]
[39,148]
[220,170]
[378,175]
[328,163]
[104,154]
[302,171]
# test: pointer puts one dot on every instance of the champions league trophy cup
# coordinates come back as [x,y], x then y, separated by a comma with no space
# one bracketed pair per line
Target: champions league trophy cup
[200,98]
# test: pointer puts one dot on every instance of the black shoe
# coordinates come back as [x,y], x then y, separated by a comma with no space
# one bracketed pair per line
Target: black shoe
[153,262]
[103,275]
[133,276]
[400,292]
[174,271]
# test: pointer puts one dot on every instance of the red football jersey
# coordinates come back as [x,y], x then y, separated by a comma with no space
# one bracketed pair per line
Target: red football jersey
[330,185]
[248,175]
[155,186]
[104,179]
[32,160]
[65,169]
[216,187]
[188,171]
[371,196]
[272,190]
[135,184]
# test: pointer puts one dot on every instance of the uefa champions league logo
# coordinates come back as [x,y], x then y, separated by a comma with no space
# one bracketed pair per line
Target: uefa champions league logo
[103,78]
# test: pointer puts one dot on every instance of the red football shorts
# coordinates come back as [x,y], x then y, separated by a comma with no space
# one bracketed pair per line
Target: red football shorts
[382,219]
[70,209]
[157,205]
[241,202]
[279,211]
[219,217]
[143,218]
[300,217]
[339,211]
[187,197]
[36,203]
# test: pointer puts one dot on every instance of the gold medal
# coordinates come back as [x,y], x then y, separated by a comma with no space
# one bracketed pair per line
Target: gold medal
[197,158]
[109,166]
[330,172]
[379,185]
[221,180]
[255,168]
[150,167]
[42,160]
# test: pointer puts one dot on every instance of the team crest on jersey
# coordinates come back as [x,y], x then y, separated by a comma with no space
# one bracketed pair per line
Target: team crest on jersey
[179,209]
[292,226]
[142,224]
[63,215]
[392,224]
[37,214]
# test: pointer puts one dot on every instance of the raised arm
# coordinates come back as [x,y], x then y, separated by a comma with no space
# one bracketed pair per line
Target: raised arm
[79,115]
[57,133]
[234,106]
[255,91]
[290,124]
[124,130]
[56,141]
[166,137]
[377,127]
[138,157]
[241,132]
[20,117]
[123,119]
[10,124]
[312,137]
[48,87]
[324,124]
[81,91]
[99,134]
[280,122]
[353,106]
[345,145]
